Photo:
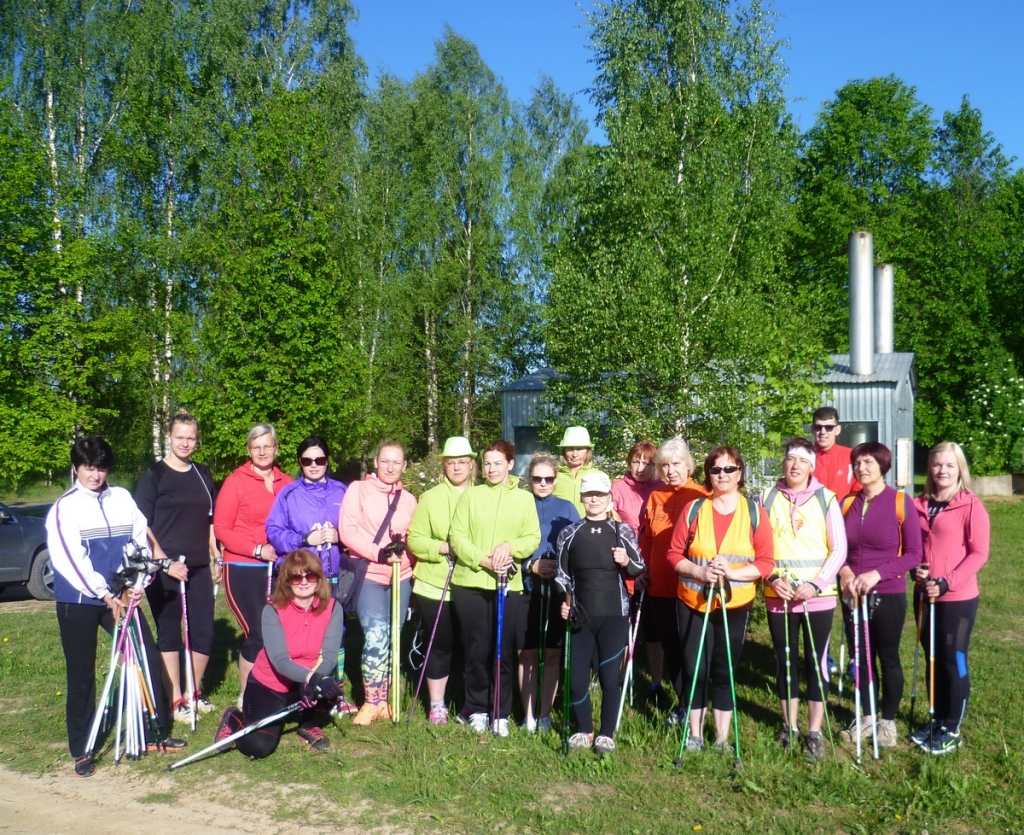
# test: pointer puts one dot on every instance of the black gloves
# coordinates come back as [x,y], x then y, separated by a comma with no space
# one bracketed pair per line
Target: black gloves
[321,687]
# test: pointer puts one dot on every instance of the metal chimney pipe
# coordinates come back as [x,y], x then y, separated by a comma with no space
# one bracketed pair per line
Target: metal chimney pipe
[884,301]
[862,307]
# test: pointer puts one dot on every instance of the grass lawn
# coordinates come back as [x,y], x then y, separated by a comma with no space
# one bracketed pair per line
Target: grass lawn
[421,778]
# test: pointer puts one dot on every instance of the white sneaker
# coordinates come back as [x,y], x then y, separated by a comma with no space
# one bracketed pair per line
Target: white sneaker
[479,722]
[544,724]
[604,745]
[500,727]
[203,705]
[530,726]
[182,713]
[580,740]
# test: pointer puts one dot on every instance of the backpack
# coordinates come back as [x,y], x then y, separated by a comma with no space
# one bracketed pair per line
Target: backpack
[774,492]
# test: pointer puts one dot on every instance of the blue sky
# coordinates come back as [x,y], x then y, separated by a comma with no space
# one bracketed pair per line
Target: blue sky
[944,48]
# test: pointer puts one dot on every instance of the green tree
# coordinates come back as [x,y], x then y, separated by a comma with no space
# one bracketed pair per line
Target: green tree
[661,318]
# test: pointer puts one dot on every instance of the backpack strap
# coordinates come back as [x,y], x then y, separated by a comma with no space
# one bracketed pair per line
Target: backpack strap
[769,500]
[820,493]
[848,503]
[901,515]
[755,516]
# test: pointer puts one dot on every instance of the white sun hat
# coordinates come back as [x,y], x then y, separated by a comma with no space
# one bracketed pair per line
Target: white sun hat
[457,447]
[576,436]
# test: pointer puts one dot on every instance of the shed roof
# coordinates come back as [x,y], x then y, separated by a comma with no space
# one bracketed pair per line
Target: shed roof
[889,368]
[537,381]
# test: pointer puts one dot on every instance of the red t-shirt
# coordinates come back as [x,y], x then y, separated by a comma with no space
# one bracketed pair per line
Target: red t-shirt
[833,469]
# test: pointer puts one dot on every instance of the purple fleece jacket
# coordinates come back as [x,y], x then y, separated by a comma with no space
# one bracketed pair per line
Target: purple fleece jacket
[873,540]
[298,507]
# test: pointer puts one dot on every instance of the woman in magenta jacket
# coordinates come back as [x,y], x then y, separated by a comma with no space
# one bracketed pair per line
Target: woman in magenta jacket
[955,533]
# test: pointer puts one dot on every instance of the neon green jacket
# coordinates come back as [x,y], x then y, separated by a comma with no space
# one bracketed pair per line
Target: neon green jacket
[486,516]
[568,488]
[427,530]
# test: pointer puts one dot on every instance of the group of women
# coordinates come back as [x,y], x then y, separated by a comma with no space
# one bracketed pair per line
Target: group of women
[682,557]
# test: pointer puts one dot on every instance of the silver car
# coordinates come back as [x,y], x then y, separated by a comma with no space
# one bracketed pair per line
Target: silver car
[24,559]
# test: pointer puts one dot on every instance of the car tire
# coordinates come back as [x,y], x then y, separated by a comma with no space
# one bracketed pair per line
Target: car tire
[40,578]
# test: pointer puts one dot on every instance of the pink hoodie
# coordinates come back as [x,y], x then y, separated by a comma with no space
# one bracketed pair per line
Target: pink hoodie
[630,497]
[956,543]
[362,510]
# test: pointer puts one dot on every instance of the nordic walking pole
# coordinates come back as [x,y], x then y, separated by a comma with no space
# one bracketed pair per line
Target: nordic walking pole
[708,599]
[566,697]
[102,712]
[230,740]
[738,762]
[396,636]
[821,684]
[789,681]
[842,661]
[545,613]
[931,674]
[627,682]
[502,588]
[917,654]
[433,632]
[871,675]
[856,674]
[190,681]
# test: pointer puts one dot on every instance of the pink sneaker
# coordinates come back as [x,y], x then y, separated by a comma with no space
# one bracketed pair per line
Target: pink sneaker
[438,715]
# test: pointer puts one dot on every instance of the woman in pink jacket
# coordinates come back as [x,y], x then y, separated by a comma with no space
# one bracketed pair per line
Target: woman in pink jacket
[955,534]
[375,514]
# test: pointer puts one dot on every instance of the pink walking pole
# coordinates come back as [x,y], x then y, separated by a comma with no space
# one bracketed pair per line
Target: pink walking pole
[871,675]
[190,676]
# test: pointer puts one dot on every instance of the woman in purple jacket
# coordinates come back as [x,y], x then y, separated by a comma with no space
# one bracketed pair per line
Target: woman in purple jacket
[883,535]
[304,515]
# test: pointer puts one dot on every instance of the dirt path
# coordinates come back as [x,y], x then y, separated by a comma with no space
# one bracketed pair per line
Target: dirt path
[112,802]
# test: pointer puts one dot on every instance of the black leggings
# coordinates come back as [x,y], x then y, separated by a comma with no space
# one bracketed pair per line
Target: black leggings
[260,702]
[885,627]
[659,622]
[714,660]
[439,662]
[528,622]
[245,589]
[476,611]
[165,602]
[953,624]
[821,629]
[608,634]
[79,624]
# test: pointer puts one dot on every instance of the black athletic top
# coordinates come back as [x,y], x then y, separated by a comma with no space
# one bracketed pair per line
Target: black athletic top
[587,569]
[179,509]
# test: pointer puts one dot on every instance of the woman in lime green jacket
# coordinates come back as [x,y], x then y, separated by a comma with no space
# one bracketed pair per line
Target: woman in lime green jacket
[428,541]
[577,461]
[495,527]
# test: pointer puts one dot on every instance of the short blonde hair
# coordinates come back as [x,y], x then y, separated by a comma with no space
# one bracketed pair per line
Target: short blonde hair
[961,462]
[259,430]
[675,448]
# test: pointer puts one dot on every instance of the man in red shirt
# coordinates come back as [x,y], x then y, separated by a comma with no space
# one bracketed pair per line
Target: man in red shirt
[832,460]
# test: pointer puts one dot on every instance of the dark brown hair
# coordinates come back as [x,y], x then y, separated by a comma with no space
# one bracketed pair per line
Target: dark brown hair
[727,452]
[880,452]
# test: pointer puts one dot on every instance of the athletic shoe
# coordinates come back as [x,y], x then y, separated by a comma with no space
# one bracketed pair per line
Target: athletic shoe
[945,742]
[530,726]
[924,735]
[438,715]
[315,737]
[887,734]
[833,668]
[723,748]
[579,741]
[170,743]
[544,724]
[604,745]
[85,766]
[231,721]
[499,727]
[675,717]
[203,704]
[371,712]
[343,707]
[787,736]
[814,747]
[659,698]
[850,734]
[694,744]
[480,722]
[182,712]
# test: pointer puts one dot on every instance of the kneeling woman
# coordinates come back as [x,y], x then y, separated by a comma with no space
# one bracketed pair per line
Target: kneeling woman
[593,556]
[302,628]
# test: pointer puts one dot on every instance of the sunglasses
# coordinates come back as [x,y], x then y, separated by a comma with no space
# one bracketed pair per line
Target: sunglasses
[822,427]
[727,470]
[298,579]
[542,479]
[320,460]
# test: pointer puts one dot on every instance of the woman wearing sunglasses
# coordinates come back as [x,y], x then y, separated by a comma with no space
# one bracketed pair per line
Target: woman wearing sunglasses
[720,547]
[302,629]
[537,613]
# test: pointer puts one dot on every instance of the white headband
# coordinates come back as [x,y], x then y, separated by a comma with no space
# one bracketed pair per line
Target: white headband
[800,452]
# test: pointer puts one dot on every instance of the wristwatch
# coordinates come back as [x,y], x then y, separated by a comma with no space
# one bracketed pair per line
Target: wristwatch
[258,551]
